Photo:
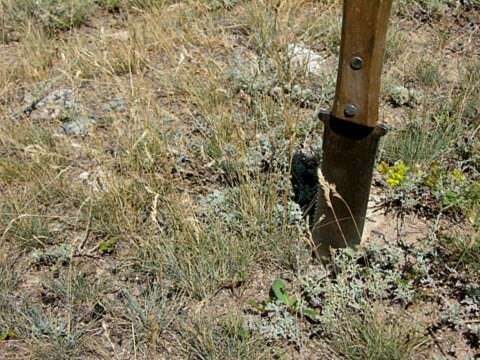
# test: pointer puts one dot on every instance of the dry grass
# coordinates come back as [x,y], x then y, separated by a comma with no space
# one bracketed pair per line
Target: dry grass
[118,242]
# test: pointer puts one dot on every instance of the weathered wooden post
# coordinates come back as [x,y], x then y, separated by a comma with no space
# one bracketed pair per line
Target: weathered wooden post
[351,135]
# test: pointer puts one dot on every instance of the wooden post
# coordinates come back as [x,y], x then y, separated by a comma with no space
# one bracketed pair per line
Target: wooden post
[351,135]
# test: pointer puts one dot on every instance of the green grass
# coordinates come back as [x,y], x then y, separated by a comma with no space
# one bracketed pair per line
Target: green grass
[463,252]
[424,140]
[439,145]
[226,339]
[369,336]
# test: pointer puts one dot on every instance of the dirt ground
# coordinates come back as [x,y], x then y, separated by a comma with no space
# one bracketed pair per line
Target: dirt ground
[158,164]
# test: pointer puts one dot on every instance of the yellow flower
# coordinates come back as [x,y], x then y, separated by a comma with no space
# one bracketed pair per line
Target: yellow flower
[395,174]
[383,168]
[458,176]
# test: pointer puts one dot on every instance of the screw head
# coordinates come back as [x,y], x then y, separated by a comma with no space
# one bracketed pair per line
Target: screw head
[350,110]
[356,63]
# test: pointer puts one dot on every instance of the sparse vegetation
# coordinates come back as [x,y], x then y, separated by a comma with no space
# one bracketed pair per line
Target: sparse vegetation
[151,153]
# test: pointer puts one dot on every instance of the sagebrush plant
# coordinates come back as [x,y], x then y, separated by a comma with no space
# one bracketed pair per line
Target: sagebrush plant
[350,298]
[429,8]
[335,303]
[53,15]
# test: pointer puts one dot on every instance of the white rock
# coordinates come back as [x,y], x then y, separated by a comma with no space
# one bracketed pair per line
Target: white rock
[119,35]
[84,176]
[303,57]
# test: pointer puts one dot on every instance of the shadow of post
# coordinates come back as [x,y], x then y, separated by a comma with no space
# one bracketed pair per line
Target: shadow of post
[304,180]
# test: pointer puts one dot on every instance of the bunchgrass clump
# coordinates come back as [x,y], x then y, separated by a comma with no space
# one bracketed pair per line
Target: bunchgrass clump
[227,338]
[375,336]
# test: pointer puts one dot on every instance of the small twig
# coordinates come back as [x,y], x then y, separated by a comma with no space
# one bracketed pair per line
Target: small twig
[93,250]
[437,342]
[134,342]
[87,255]
[107,335]
[87,230]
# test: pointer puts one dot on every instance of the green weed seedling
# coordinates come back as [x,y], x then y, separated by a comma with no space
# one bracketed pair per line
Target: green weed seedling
[280,296]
